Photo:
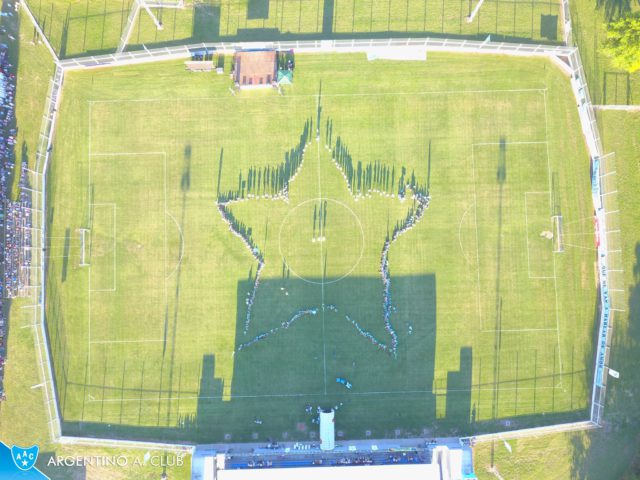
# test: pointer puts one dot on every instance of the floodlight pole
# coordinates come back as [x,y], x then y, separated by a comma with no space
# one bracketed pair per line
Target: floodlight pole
[475,11]
[133,14]
[157,22]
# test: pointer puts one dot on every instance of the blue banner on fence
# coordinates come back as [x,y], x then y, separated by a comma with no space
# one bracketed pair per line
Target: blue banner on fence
[595,182]
[605,312]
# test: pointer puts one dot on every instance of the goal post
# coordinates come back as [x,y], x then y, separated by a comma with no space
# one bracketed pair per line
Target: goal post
[83,249]
[558,243]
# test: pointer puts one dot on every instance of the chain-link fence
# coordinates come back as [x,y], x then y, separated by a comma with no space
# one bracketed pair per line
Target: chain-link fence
[39,248]
[569,56]
[318,46]
[81,27]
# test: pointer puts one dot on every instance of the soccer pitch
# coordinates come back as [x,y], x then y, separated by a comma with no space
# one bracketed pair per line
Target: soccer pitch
[178,188]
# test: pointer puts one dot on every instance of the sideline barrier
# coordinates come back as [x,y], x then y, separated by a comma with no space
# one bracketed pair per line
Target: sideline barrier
[317,46]
[533,432]
[43,153]
[590,131]
[566,55]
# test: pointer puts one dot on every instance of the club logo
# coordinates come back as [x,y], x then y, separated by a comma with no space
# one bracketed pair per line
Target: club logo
[24,458]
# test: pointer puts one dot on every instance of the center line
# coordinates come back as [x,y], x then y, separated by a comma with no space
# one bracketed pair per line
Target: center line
[324,345]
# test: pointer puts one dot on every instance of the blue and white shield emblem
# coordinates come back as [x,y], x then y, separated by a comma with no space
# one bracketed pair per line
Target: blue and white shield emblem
[24,458]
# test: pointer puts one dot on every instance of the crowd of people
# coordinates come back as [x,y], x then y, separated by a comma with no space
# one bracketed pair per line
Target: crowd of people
[412,219]
[367,335]
[280,177]
[375,178]
[240,231]
[17,259]
[14,215]
[299,314]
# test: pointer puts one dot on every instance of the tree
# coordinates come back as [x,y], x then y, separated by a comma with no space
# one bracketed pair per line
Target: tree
[623,43]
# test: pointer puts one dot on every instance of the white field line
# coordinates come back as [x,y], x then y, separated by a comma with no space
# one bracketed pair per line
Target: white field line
[475,197]
[526,229]
[114,207]
[520,330]
[108,342]
[116,442]
[580,220]
[297,395]
[555,284]
[181,244]
[319,185]
[91,205]
[324,345]
[592,249]
[371,94]
[526,224]
[466,257]
[125,154]
[164,218]
[482,144]
[89,272]
[555,280]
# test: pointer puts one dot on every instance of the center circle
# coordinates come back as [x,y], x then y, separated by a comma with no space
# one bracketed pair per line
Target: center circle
[321,241]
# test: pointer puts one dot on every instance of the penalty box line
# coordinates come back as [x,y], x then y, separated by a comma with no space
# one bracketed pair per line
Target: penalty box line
[475,208]
[555,279]
[91,205]
[114,233]
[315,95]
[526,224]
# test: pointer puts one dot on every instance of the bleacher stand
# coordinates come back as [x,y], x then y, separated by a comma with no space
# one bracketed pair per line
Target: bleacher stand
[15,215]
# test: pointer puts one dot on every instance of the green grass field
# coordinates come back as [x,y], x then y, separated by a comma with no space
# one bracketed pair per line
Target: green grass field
[611,452]
[492,325]
[85,26]
[23,420]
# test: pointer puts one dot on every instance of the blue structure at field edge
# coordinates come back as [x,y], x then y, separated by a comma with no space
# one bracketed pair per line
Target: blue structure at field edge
[443,458]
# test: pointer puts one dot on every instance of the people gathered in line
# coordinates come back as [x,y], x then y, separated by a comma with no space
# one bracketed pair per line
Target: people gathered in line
[15,214]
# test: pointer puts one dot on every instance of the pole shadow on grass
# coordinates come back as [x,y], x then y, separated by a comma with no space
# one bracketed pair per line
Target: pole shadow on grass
[501,179]
[185,186]
[305,357]
[276,377]
[459,388]
[258,10]
[206,22]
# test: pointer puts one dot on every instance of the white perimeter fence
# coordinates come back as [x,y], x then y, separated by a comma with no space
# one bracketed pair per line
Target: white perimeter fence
[566,57]
[43,152]
[607,225]
[316,46]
